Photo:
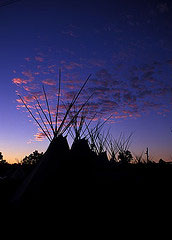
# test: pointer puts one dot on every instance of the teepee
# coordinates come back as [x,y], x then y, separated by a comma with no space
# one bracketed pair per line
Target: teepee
[48,175]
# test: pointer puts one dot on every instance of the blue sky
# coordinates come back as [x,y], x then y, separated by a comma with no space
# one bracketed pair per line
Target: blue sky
[125,45]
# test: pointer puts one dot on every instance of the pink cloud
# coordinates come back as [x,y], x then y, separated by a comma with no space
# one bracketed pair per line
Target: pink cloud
[126,111]
[72,78]
[121,116]
[27,59]
[70,87]
[39,136]
[22,105]
[29,75]
[73,65]
[51,68]
[36,73]
[69,33]
[39,59]
[28,98]
[49,82]
[19,81]
[29,88]
[38,94]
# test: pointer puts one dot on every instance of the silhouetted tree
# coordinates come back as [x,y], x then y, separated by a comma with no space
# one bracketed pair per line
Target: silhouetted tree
[32,159]
[2,161]
[125,156]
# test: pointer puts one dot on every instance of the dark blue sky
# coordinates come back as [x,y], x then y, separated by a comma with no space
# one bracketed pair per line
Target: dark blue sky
[125,45]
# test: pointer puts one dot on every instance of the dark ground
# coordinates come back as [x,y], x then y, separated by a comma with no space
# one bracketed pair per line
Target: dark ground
[94,187]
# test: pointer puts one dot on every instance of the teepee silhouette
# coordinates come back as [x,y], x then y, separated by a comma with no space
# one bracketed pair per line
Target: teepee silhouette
[45,177]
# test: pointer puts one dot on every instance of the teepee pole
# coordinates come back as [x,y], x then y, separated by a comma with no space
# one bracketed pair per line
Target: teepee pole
[75,98]
[44,114]
[43,123]
[64,130]
[93,139]
[34,117]
[88,124]
[71,105]
[57,109]
[46,99]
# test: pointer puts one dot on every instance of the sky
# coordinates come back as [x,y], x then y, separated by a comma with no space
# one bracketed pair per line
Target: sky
[125,45]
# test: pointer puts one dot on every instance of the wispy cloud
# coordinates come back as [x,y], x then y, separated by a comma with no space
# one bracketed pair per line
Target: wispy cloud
[71,31]
[28,74]
[30,88]
[49,82]
[73,65]
[28,99]
[19,81]
[40,136]
[125,92]
[39,59]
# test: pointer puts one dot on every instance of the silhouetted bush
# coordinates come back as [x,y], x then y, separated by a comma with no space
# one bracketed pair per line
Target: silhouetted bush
[1,156]
[125,156]
[2,161]
[32,159]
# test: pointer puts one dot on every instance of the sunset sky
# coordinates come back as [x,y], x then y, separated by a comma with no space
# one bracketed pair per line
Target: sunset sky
[125,45]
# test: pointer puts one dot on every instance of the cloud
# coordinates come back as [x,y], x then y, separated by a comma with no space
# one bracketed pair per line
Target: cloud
[39,59]
[126,92]
[29,75]
[162,91]
[132,96]
[117,96]
[73,65]
[145,92]
[36,73]
[99,90]
[71,77]
[148,74]
[69,94]
[52,68]
[97,62]
[107,79]
[30,87]
[121,116]
[103,74]
[69,33]
[19,81]
[28,59]
[40,136]
[21,105]
[129,98]
[28,98]
[146,67]
[152,105]
[49,82]
[108,104]
[70,30]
